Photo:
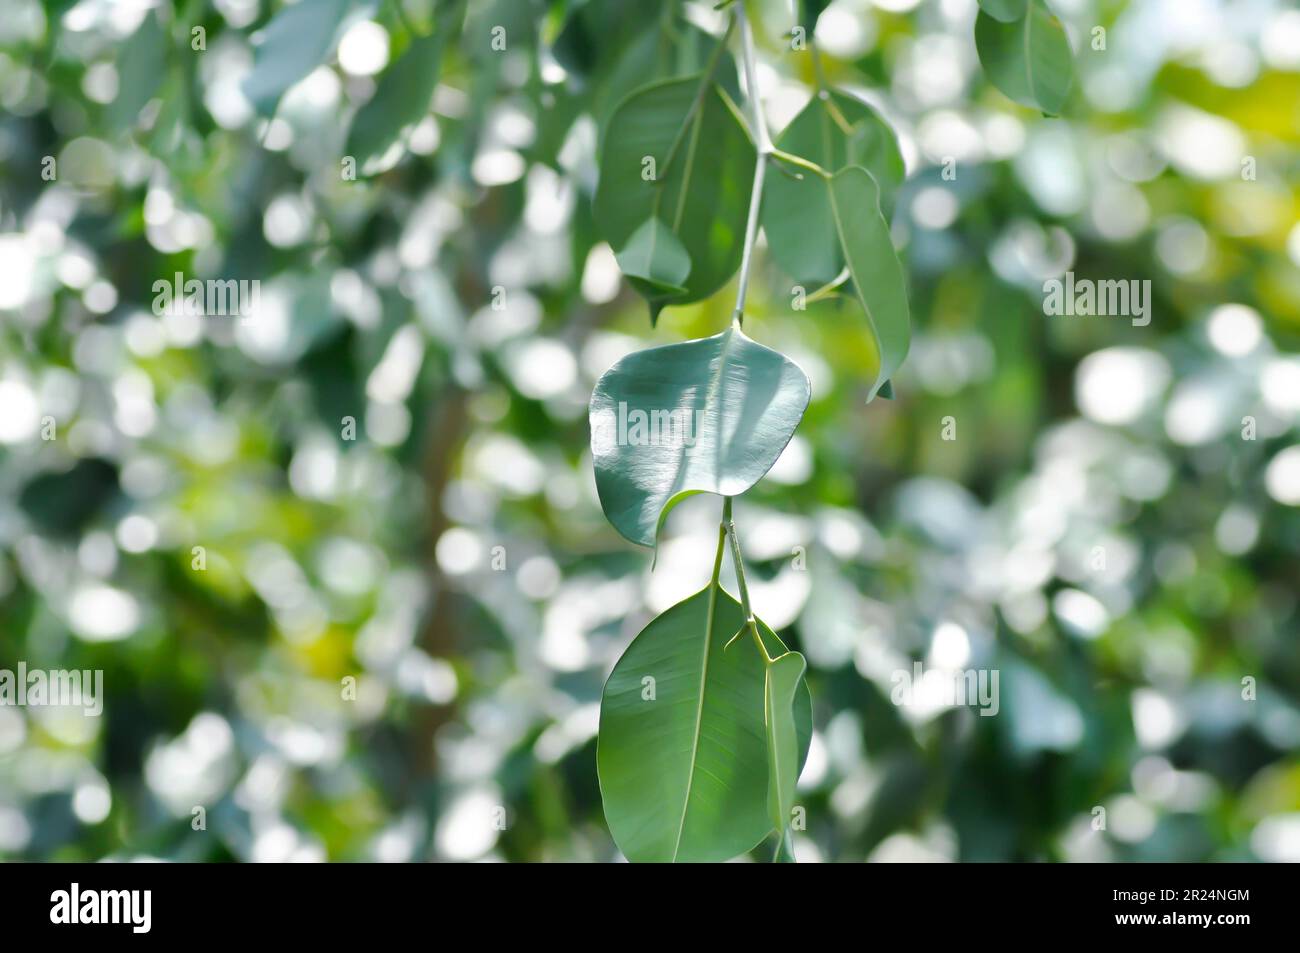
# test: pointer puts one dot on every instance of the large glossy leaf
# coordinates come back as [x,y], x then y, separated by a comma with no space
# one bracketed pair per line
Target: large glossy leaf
[1005,10]
[783,677]
[834,131]
[878,284]
[298,39]
[1028,59]
[682,749]
[710,415]
[703,166]
[401,101]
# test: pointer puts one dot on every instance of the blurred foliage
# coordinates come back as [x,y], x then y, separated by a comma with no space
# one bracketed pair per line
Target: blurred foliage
[1099,532]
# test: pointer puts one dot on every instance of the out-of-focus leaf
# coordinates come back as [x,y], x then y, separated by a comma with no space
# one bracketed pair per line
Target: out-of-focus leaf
[140,71]
[1028,59]
[1006,11]
[299,38]
[378,134]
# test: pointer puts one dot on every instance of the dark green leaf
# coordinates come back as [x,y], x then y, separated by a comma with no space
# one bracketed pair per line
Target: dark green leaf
[681,752]
[689,138]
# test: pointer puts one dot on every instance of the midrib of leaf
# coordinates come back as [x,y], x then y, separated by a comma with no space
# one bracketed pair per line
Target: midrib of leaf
[690,167]
[714,586]
[1029,62]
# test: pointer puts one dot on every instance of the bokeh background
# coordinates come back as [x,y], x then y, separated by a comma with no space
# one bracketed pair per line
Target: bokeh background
[1099,531]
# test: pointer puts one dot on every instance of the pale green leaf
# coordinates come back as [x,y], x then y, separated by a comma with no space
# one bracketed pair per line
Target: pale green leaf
[783,677]
[297,40]
[710,415]
[1028,59]
[1006,11]
[879,286]
[833,131]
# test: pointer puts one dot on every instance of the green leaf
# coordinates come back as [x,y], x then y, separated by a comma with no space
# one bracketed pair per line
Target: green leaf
[1028,59]
[834,132]
[688,138]
[294,43]
[810,10]
[1006,11]
[141,68]
[783,677]
[380,129]
[704,416]
[675,51]
[682,759]
[655,262]
[879,286]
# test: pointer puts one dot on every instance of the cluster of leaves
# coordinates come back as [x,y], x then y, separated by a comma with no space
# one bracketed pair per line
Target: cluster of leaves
[708,770]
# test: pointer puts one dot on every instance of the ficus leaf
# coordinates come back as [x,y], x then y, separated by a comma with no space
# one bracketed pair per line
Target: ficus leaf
[879,286]
[1028,59]
[677,151]
[296,41]
[681,750]
[782,677]
[833,131]
[704,416]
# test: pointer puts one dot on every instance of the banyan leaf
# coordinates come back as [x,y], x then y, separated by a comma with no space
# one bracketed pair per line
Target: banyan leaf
[783,677]
[704,416]
[1028,59]
[677,150]
[655,262]
[681,750]
[296,41]
[879,287]
[401,100]
[1007,11]
[834,131]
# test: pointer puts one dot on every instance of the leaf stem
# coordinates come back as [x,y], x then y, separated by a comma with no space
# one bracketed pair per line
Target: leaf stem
[751,624]
[764,146]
